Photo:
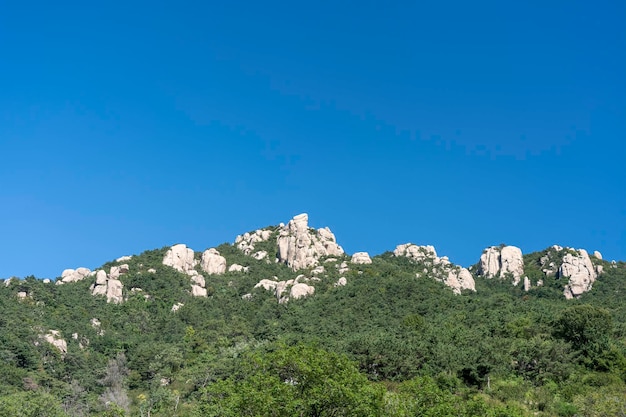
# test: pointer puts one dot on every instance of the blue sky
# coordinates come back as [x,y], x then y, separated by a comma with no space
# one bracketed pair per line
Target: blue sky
[128,126]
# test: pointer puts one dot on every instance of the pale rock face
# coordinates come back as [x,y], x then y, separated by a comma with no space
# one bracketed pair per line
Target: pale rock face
[245,242]
[238,268]
[54,338]
[198,291]
[580,271]
[71,275]
[109,285]
[496,262]
[123,259]
[46,281]
[213,262]
[341,282]
[361,258]
[198,280]
[152,271]
[343,267]
[459,279]
[260,255]
[22,294]
[526,284]
[455,277]
[177,307]
[267,284]
[301,290]
[296,289]
[180,257]
[597,255]
[301,248]
[415,252]
[318,270]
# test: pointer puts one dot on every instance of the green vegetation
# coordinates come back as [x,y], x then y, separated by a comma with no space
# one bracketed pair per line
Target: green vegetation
[386,344]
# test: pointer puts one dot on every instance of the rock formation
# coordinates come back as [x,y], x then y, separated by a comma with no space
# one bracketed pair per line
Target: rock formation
[246,242]
[109,285]
[213,262]
[54,338]
[361,258]
[300,247]
[73,275]
[238,268]
[497,262]
[440,269]
[580,271]
[180,257]
[296,288]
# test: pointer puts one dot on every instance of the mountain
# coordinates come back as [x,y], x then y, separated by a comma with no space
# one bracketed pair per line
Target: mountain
[284,322]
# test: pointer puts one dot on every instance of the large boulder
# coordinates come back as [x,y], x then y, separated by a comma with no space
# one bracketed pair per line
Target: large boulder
[580,271]
[180,257]
[499,261]
[74,275]
[213,262]
[361,258]
[54,338]
[300,247]
[460,279]
[415,252]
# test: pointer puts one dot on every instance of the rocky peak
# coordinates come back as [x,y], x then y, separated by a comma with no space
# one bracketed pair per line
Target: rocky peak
[580,271]
[300,247]
[441,269]
[498,261]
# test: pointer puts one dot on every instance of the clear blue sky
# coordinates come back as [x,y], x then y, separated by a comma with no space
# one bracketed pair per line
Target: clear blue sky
[127,126]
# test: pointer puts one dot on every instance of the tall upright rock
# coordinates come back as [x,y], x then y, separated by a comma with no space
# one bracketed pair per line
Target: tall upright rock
[497,262]
[580,271]
[180,257]
[300,247]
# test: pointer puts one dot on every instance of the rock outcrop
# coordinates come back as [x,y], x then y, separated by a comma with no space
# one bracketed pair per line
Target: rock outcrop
[293,287]
[498,262]
[300,247]
[580,271]
[245,242]
[54,338]
[441,269]
[238,268]
[212,262]
[73,275]
[180,257]
[361,258]
[109,285]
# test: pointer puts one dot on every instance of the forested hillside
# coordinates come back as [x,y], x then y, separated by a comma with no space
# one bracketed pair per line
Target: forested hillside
[386,338]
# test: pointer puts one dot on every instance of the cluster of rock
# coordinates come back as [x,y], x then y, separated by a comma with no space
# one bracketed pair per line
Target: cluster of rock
[501,262]
[109,284]
[54,338]
[284,291]
[245,242]
[74,275]
[581,273]
[441,269]
[300,247]
[182,258]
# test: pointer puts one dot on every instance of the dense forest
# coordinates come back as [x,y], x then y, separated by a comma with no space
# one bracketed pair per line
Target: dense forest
[388,343]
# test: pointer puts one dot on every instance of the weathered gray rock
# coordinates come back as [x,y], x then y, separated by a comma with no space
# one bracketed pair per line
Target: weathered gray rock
[74,275]
[198,291]
[109,285]
[597,255]
[300,290]
[123,258]
[361,258]
[415,252]
[498,262]
[245,242]
[341,282]
[180,257]
[441,269]
[177,307]
[580,271]
[212,262]
[300,247]
[260,255]
[238,268]
[267,284]
[54,338]
[459,279]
